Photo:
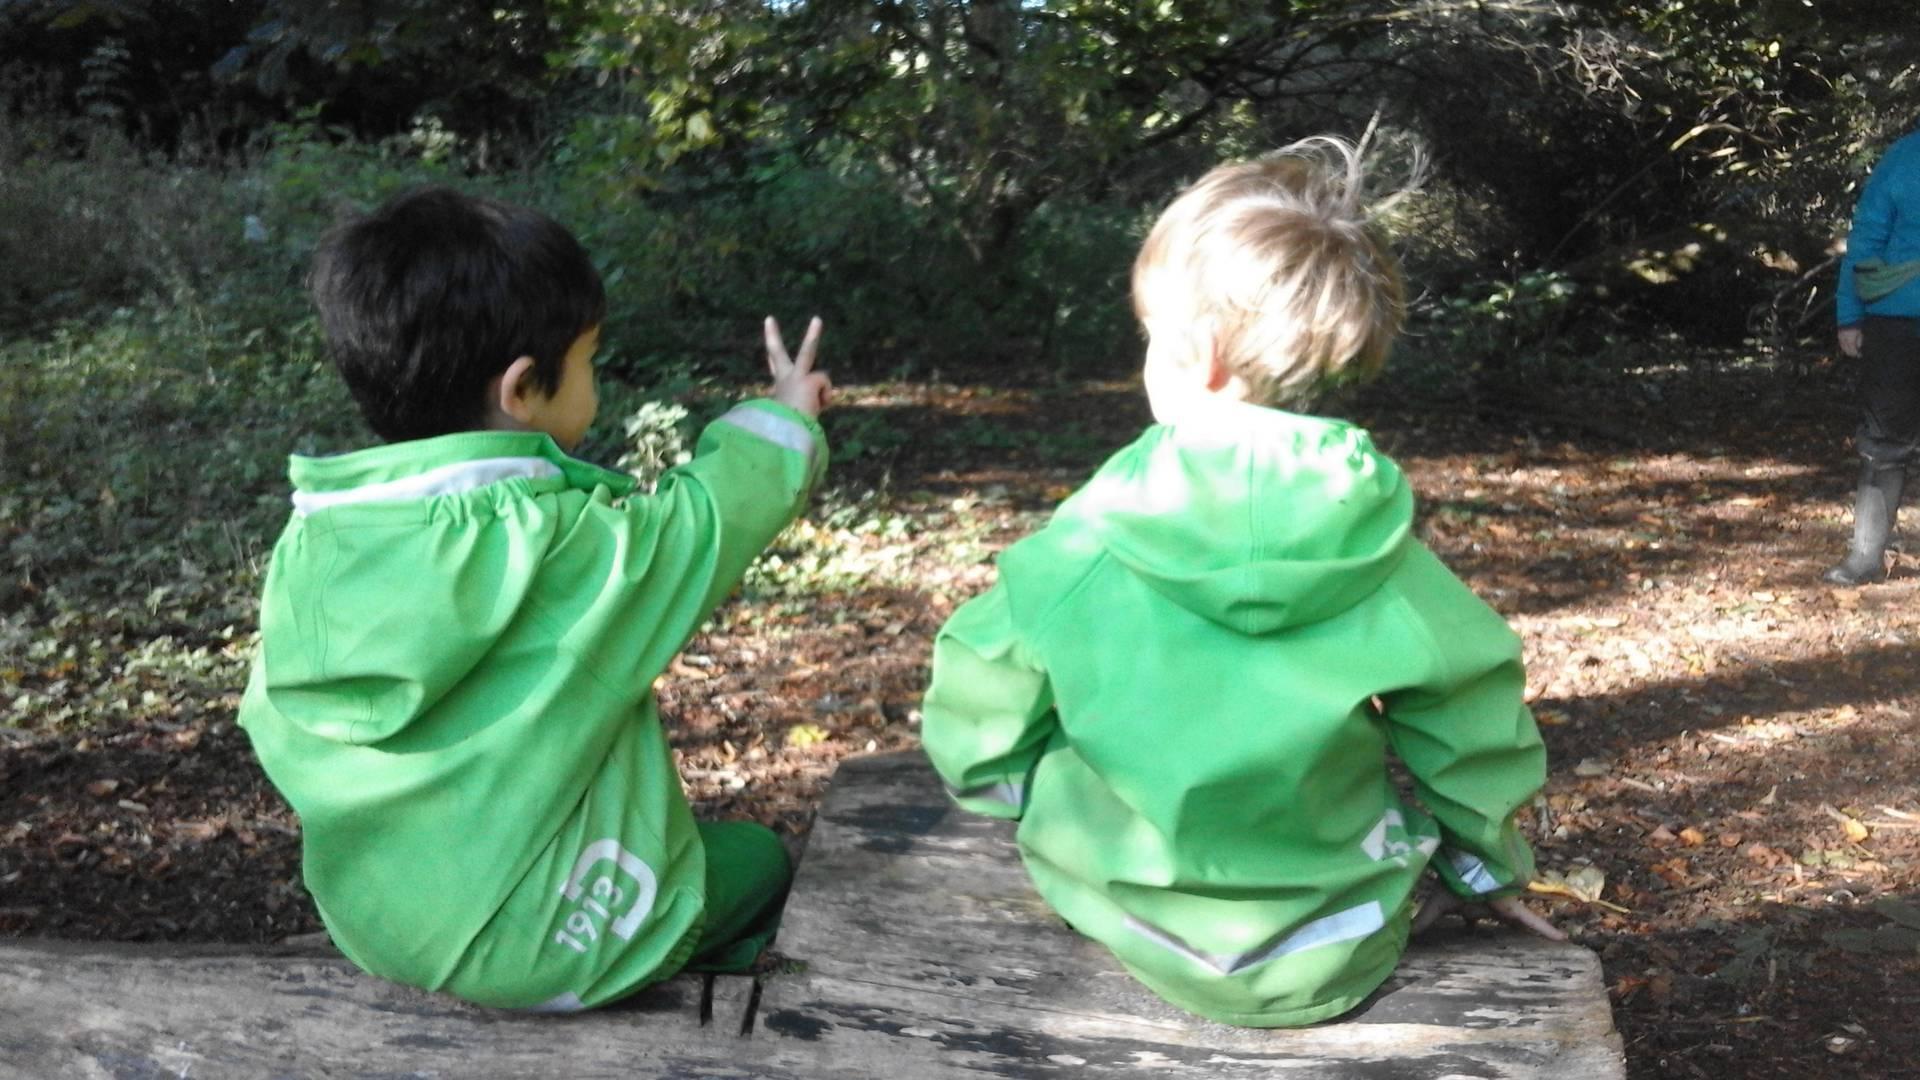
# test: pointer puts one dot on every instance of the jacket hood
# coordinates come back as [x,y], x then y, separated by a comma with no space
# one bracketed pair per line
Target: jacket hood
[416,588]
[1251,517]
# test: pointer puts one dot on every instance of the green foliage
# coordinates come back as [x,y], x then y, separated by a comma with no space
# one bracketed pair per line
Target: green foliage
[162,69]
[1511,330]
[144,452]
[983,112]
[383,65]
[105,225]
[139,67]
[1587,136]
[691,274]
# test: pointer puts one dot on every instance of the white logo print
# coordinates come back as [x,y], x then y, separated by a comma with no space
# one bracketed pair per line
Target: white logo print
[602,901]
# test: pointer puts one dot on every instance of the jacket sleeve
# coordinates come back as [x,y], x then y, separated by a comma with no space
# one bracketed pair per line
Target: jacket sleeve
[749,478]
[1873,224]
[989,711]
[1465,734]
[670,557]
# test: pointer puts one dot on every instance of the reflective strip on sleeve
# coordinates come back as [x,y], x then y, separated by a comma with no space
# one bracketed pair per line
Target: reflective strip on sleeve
[1473,873]
[454,479]
[1006,791]
[1355,922]
[774,428]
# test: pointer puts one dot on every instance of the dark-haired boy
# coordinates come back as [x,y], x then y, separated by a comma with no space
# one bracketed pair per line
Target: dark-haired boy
[460,629]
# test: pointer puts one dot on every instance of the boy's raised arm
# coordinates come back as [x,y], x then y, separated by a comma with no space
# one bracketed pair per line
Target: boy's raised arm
[989,711]
[679,551]
[751,471]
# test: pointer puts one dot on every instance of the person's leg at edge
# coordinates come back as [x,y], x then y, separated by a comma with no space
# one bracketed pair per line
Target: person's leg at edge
[1889,430]
[747,877]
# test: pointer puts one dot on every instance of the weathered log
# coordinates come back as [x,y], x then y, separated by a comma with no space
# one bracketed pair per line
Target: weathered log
[918,950]
[927,953]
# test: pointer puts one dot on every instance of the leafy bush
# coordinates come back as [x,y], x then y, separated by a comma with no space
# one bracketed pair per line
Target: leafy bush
[1511,330]
[108,225]
[690,273]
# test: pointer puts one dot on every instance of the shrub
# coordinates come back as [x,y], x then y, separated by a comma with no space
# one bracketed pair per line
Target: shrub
[690,274]
[107,225]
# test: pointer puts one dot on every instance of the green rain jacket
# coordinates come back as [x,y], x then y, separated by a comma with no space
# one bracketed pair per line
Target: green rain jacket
[459,638]
[1184,688]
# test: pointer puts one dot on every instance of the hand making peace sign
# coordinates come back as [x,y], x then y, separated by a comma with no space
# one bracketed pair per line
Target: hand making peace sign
[795,383]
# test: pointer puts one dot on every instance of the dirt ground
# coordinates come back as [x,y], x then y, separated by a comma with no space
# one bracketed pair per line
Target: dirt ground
[1733,805]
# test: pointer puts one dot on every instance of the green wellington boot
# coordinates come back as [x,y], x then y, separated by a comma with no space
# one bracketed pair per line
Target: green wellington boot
[1874,507]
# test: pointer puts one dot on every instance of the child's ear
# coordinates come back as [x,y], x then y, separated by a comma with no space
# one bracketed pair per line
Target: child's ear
[1206,351]
[512,393]
[1221,379]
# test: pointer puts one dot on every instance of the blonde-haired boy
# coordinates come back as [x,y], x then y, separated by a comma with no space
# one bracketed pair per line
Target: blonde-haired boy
[1186,685]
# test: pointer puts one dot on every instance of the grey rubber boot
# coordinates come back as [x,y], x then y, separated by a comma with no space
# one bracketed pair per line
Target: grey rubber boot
[1874,507]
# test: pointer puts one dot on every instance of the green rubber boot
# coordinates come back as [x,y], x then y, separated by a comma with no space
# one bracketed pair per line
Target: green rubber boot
[1874,507]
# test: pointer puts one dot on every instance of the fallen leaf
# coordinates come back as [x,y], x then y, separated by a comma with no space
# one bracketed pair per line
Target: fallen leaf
[1674,872]
[1583,884]
[197,831]
[1626,986]
[1849,824]
[1692,837]
[802,736]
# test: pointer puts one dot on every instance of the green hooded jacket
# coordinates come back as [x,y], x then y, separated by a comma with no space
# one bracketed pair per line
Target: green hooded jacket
[1184,688]
[459,638]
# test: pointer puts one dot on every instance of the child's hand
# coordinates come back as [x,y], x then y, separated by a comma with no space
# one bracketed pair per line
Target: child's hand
[1510,910]
[795,383]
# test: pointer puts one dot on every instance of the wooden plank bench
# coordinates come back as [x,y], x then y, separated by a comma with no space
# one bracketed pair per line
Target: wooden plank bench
[928,954]
[918,948]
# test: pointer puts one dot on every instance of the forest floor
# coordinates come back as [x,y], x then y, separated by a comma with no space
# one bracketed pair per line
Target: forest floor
[1732,782]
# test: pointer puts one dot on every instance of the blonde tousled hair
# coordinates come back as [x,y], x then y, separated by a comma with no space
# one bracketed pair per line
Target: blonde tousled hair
[1284,256]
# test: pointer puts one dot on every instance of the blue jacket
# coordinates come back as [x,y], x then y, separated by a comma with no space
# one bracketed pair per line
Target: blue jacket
[1886,225]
